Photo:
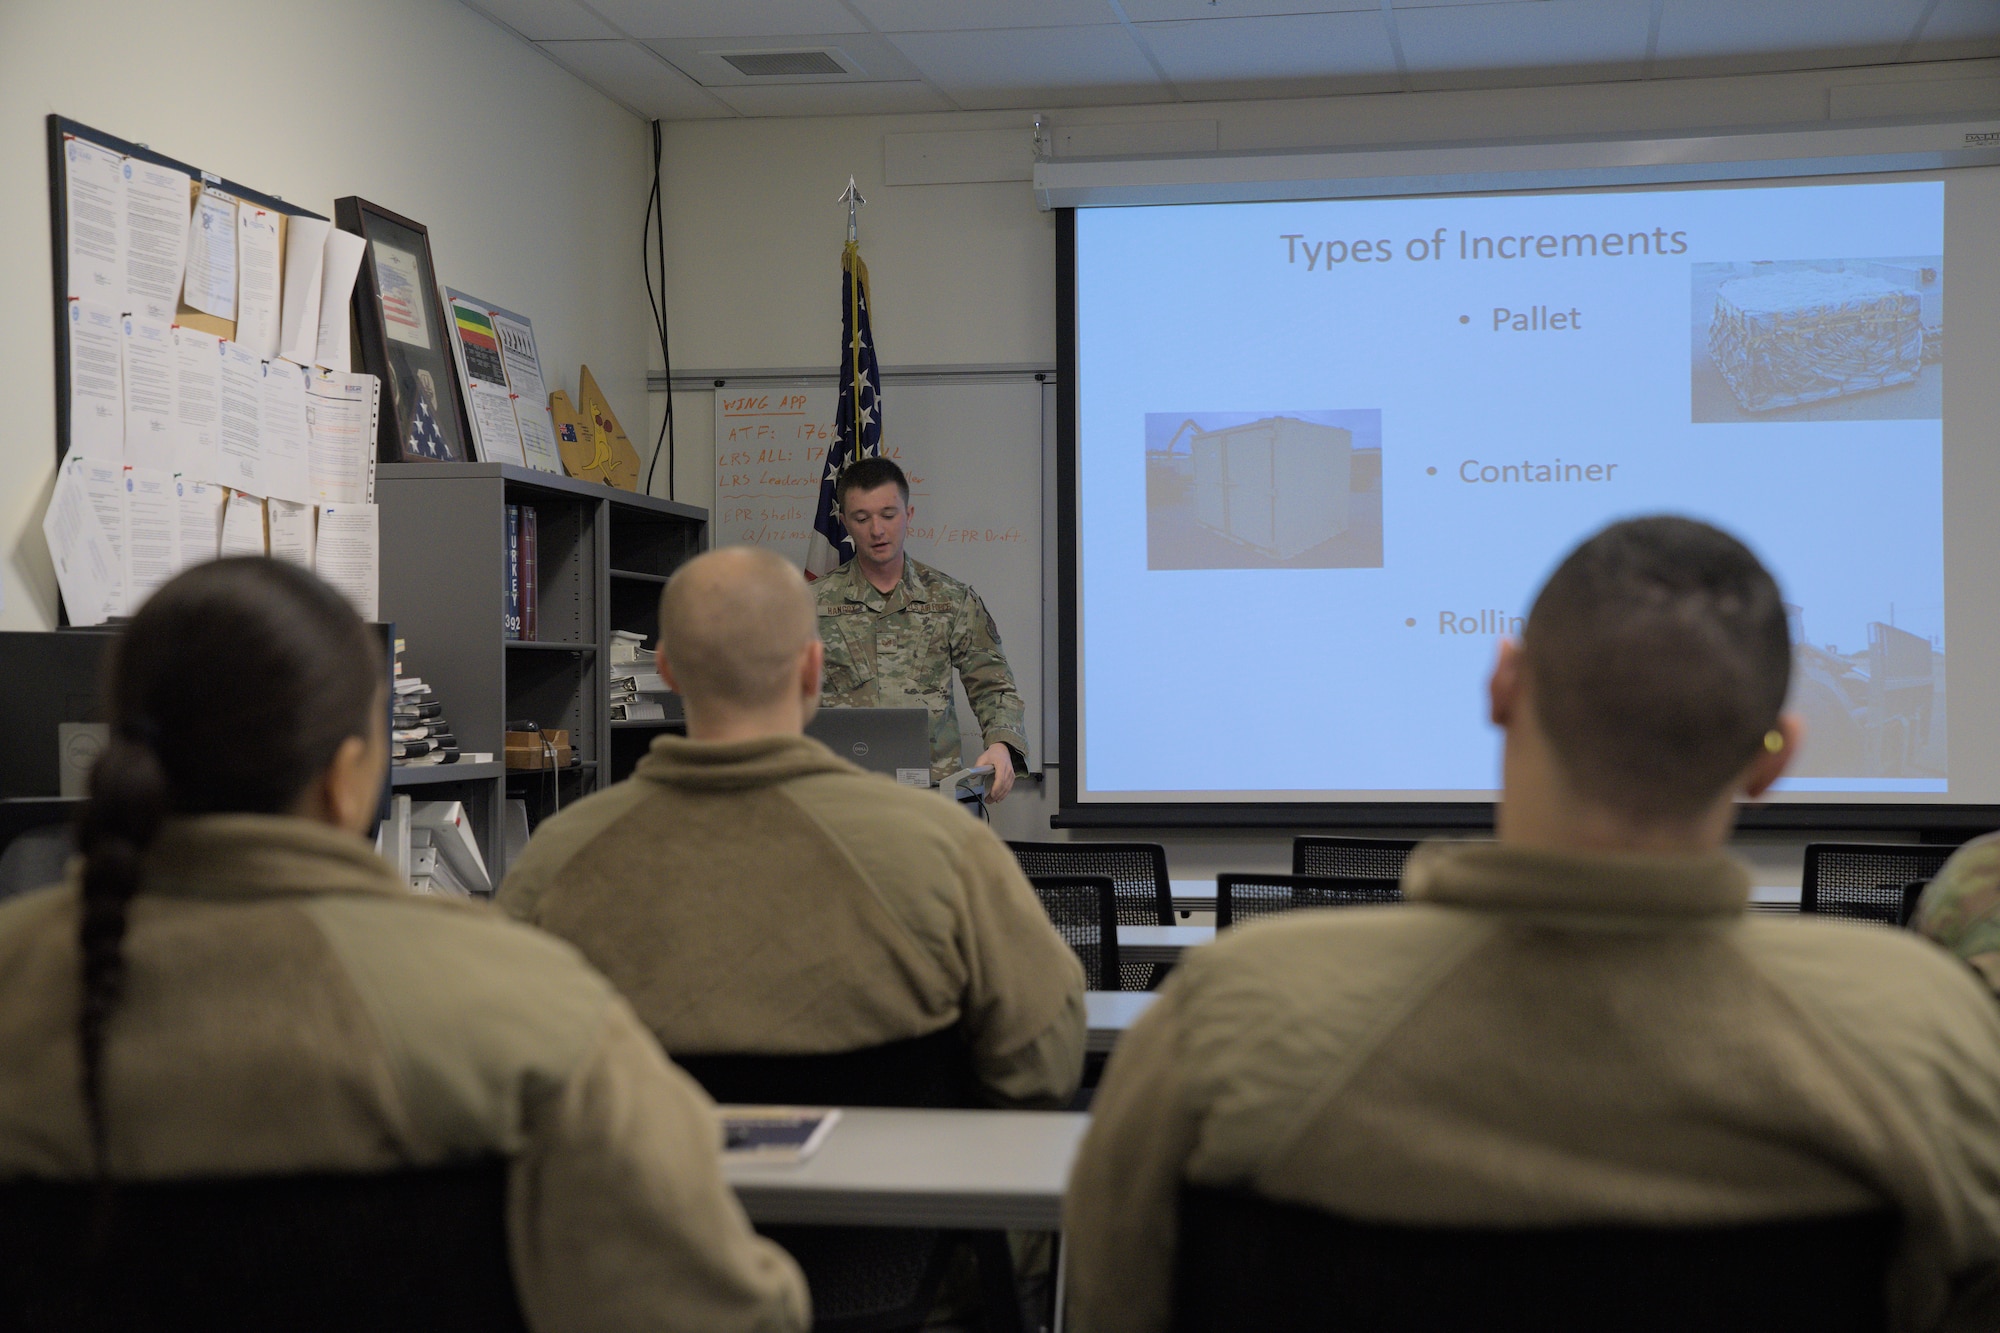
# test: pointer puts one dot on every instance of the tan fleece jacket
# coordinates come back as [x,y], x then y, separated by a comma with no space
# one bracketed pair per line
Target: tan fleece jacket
[766,897]
[290,1007]
[1539,1040]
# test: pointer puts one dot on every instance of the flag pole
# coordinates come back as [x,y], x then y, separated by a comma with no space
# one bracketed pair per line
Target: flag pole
[851,261]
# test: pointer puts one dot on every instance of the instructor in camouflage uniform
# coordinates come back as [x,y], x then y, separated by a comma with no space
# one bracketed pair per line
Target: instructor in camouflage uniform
[1960,909]
[895,630]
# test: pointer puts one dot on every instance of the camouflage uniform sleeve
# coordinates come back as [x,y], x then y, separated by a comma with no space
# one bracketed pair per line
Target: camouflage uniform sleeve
[1960,909]
[989,681]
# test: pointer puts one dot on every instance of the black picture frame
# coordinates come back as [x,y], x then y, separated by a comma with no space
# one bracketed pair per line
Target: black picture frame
[406,344]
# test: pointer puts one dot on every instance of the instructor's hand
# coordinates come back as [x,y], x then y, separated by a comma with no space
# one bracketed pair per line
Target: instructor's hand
[1002,780]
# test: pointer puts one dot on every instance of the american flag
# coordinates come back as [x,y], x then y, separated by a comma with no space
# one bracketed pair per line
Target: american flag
[426,440]
[857,422]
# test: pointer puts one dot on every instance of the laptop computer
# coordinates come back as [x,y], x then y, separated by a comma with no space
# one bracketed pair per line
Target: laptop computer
[895,742]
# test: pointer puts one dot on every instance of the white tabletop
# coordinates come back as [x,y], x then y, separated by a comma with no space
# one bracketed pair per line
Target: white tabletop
[1198,895]
[980,1170]
[1109,1012]
[1159,944]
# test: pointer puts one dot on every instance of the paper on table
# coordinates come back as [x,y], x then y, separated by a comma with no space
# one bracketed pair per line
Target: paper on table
[240,438]
[291,531]
[197,367]
[282,467]
[86,562]
[211,260]
[343,263]
[399,283]
[96,380]
[257,278]
[243,525]
[531,395]
[201,519]
[348,554]
[149,393]
[152,520]
[305,266]
[341,416]
[95,213]
[156,233]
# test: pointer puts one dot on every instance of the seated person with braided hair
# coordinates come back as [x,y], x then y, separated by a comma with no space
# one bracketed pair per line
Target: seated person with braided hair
[233,984]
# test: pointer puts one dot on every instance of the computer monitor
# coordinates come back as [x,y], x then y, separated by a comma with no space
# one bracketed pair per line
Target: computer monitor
[895,742]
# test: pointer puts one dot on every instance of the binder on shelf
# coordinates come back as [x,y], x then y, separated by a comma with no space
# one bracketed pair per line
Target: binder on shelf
[530,577]
[510,615]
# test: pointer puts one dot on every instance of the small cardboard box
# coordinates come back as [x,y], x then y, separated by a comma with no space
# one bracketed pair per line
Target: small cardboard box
[530,749]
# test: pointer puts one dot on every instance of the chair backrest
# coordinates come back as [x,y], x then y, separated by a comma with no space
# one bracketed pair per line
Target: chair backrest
[1248,1262]
[1240,898]
[1351,858]
[35,842]
[1084,911]
[1138,872]
[379,1253]
[1862,881]
[934,1070]
[862,1278]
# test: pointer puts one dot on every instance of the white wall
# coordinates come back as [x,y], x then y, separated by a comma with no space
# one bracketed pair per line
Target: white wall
[532,184]
[964,274]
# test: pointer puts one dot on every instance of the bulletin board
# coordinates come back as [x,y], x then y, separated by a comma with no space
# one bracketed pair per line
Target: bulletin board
[61,129]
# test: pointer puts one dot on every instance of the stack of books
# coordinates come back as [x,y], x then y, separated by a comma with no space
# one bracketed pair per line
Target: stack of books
[420,733]
[523,555]
[637,692]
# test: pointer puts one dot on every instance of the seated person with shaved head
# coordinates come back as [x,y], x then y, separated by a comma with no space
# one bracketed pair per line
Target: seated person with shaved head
[753,894]
[1579,1024]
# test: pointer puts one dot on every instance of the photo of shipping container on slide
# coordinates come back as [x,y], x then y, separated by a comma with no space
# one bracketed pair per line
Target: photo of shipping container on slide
[1264,490]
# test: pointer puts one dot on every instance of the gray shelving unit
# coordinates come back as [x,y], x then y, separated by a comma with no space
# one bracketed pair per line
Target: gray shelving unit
[603,554]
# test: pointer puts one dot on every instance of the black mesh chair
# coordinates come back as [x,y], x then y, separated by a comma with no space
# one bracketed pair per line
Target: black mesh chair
[1240,898]
[872,1279]
[1351,858]
[1861,881]
[1084,910]
[1138,872]
[392,1253]
[1246,1262]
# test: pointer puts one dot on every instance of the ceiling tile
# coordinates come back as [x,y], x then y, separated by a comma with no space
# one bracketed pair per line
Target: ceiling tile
[545,20]
[834,99]
[874,56]
[635,76]
[1311,52]
[1732,37]
[1481,45]
[1024,66]
[1960,28]
[1158,11]
[727,18]
[960,15]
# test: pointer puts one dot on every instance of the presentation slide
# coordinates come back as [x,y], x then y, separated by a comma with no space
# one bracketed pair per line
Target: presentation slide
[1327,452]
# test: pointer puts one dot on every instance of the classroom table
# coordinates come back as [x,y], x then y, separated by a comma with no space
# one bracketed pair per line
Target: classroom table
[1198,895]
[1107,1013]
[1159,944]
[968,1170]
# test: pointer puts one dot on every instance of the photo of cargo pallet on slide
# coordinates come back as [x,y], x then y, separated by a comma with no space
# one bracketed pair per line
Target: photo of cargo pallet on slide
[1818,340]
[1264,490]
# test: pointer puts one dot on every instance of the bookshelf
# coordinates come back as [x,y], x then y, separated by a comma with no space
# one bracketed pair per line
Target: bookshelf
[603,556]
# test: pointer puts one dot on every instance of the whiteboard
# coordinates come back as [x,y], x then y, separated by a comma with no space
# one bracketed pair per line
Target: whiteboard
[973,451]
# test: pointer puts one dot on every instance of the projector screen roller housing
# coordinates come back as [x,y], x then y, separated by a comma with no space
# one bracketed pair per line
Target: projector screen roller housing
[1323,453]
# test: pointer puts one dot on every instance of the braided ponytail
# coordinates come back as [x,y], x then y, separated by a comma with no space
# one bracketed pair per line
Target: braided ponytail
[128,799]
[233,648]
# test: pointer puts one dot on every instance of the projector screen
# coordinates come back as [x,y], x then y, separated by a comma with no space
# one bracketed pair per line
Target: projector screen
[1326,451]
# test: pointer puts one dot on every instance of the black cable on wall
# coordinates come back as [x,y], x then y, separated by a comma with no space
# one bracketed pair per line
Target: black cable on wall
[655,229]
